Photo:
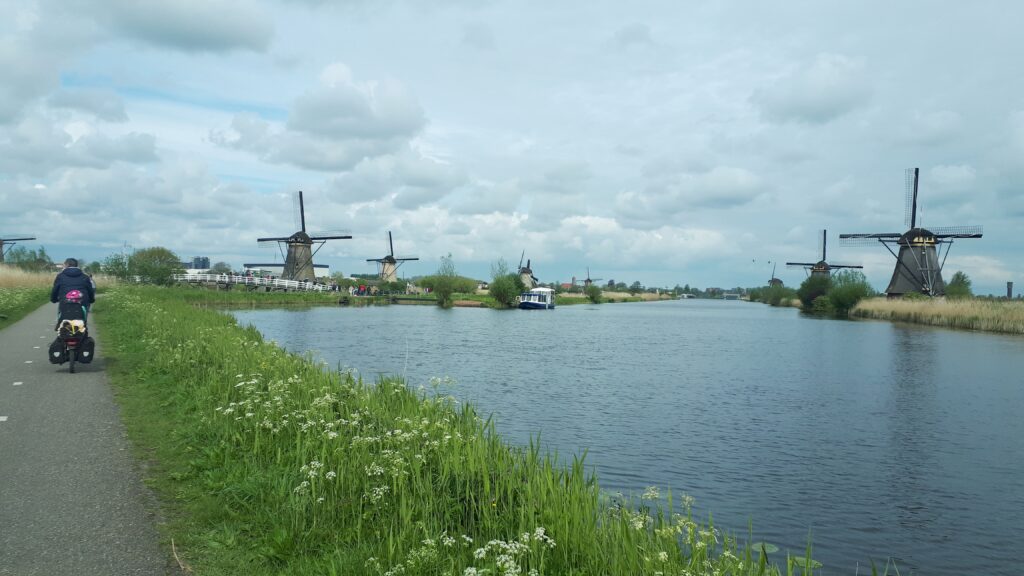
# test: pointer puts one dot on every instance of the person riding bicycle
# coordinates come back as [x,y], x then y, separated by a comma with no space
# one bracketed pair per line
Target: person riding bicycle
[71,279]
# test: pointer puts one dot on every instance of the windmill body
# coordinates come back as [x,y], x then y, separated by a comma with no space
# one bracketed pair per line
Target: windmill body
[7,243]
[526,274]
[589,280]
[387,267]
[919,259]
[298,262]
[821,267]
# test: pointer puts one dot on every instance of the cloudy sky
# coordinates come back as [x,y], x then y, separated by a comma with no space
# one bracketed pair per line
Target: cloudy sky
[665,142]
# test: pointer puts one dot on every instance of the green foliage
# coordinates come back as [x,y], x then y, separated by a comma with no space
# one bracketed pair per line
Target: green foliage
[823,305]
[635,287]
[154,265]
[443,283]
[116,265]
[505,285]
[848,288]
[811,288]
[16,302]
[915,296]
[593,292]
[772,295]
[959,286]
[334,475]
[29,259]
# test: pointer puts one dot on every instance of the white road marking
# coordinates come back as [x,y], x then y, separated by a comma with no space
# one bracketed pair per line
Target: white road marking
[28,361]
[18,383]
[42,337]
[36,347]
[3,418]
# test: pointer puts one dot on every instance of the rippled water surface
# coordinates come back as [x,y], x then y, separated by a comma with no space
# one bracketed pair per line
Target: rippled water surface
[876,439]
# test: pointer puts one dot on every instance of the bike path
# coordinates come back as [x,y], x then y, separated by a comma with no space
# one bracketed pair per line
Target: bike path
[71,498]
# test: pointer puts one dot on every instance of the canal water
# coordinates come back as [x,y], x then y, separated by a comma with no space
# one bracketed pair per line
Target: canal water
[874,439]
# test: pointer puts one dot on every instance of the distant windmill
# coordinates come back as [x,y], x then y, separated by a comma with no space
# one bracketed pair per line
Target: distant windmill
[9,242]
[821,267]
[526,274]
[918,268]
[589,280]
[387,267]
[774,281]
[298,263]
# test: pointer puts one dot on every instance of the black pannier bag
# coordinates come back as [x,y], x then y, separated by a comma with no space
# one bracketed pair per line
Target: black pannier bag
[56,352]
[86,351]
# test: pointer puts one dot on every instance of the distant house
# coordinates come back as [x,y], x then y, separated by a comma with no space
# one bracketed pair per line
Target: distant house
[565,285]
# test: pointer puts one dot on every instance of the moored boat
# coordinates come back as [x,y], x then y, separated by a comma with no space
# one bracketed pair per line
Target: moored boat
[537,299]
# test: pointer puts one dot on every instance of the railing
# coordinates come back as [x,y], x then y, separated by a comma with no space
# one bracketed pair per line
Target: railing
[229,279]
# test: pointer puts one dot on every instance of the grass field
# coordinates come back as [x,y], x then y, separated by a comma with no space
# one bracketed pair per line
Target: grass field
[268,463]
[969,314]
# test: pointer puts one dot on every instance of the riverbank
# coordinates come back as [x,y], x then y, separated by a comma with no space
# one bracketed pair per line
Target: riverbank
[271,464]
[968,314]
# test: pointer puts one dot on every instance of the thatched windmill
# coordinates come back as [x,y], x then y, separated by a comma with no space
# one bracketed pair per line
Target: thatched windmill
[918,267]
[387,267]
[526,273]
[298,263]
[7,243]
[588,281]
[821,267]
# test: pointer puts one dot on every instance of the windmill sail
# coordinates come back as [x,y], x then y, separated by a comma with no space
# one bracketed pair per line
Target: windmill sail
[298,263]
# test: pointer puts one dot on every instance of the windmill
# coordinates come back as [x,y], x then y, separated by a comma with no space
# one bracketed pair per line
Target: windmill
[9,242]
[918,268]
[589,280]
[774,281]
[526,274]
[298,264]
[387,267]
[821,267]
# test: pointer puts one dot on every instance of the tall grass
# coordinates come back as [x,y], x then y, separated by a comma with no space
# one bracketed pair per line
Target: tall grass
[272,464]
[21,292]
[969,314]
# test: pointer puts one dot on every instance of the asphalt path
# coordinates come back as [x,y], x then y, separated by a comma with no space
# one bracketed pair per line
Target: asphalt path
[71,498]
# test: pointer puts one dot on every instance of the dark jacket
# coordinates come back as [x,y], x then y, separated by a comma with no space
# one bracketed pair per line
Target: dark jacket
[72,279]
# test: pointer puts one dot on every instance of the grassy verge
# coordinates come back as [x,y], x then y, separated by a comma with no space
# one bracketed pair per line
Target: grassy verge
[270,464]
[969,314]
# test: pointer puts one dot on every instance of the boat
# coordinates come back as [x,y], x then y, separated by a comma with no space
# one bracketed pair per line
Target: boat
[537,299]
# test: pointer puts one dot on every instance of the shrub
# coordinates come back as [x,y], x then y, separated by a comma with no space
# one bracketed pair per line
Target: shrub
[155,265]
[848,288]
[959,286]
[594,293]
[811,288]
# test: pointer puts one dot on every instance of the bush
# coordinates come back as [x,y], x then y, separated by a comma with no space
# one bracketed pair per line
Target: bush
[443,283]
[848,288]
[959,286]
[813,287]
[505,289]
[155,265]
[594,293]
[823,305]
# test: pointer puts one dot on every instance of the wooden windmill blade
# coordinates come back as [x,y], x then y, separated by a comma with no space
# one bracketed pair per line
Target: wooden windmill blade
[298,264]
[957,231]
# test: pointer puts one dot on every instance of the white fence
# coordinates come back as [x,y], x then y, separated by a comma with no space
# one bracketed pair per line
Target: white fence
[228,279]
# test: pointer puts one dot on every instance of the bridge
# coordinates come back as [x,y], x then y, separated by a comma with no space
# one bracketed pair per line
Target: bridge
[252,282]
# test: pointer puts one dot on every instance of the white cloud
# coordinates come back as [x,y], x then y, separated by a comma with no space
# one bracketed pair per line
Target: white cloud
[103,104]
[829,87]
[189,25]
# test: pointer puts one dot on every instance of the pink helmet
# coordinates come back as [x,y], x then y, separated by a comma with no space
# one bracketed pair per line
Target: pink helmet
[73,295]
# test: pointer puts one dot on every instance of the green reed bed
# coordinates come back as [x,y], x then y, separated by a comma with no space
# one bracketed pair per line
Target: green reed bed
[269,463]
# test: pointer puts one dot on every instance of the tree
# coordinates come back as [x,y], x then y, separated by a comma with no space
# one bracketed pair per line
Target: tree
[94,267]
[155,265]
[116,265]
[959,286]
[814,286]
[505,285]
[26,259]
[221,268]
[635,287]
[593,292]
[444,282]
[848,288]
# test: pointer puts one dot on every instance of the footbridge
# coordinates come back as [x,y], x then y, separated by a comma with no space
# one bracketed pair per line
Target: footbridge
[227,281]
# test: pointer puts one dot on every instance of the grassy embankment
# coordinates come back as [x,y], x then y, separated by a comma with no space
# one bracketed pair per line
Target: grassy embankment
[969,314]
[270,464]
[21,292]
